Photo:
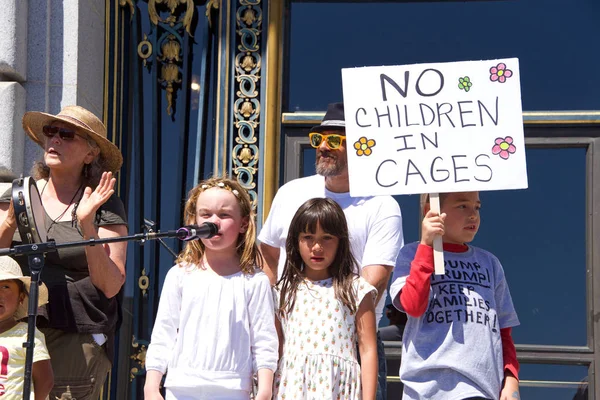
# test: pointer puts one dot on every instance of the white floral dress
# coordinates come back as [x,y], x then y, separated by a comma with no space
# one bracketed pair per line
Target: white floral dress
[319,353]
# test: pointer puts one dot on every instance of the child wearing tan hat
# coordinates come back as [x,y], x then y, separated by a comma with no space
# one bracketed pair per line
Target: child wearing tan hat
[14,300]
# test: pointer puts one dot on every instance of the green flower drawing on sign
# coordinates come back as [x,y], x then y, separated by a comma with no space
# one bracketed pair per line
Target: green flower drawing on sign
[465,83]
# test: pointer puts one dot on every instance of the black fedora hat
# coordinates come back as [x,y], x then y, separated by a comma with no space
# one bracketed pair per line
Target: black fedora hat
[333,119]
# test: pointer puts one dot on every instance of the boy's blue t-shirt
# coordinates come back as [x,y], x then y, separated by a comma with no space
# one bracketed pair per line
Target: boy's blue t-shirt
[454,350]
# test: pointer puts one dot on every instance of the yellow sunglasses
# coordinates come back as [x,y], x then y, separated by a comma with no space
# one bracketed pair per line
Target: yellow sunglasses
[333,140]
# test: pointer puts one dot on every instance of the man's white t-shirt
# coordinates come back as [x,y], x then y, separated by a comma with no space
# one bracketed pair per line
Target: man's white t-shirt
[374,223]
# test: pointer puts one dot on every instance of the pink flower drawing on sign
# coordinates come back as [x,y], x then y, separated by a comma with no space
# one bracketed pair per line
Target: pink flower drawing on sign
[504,147]
[500,73]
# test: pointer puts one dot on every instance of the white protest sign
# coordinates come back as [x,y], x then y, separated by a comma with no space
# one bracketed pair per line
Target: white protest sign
[434,128]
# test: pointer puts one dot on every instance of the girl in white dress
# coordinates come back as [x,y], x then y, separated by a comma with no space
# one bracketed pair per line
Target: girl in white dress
[214,328]
[324,309]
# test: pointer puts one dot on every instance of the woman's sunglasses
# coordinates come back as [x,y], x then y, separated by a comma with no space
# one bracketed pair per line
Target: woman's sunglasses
[333,141]
[63,133]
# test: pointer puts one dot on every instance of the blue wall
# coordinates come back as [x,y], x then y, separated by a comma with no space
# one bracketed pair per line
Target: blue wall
[556,42]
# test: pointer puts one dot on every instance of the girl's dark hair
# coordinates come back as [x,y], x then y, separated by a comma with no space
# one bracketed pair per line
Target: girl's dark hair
[330,216]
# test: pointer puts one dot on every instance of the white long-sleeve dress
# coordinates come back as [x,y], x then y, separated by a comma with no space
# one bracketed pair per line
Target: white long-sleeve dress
[213,332]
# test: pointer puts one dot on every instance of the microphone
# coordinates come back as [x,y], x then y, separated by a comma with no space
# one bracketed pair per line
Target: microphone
[195,232]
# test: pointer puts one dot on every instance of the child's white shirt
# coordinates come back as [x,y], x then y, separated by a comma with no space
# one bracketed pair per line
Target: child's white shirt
[213,330]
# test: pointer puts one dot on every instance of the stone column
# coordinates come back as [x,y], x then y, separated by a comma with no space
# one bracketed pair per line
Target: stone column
[51,56]
[13,73]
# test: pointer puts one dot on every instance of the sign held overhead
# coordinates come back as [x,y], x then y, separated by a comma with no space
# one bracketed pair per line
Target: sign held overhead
[434,128]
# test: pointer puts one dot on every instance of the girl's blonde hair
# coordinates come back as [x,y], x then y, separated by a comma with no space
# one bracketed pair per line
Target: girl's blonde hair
[247,250]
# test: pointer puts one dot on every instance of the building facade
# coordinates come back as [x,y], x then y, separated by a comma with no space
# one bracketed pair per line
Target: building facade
[188,89]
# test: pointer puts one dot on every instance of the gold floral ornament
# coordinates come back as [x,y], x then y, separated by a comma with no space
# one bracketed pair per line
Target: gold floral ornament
[363,146]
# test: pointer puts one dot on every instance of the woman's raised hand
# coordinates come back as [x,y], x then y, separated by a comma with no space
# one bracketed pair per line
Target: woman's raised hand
[8,224]
[11,220]
[92,200]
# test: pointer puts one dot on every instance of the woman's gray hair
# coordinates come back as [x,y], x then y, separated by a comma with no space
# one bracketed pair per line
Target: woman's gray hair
[91,172]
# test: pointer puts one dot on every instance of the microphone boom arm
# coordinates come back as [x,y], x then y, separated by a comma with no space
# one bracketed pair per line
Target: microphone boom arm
[149,226]
[36,248]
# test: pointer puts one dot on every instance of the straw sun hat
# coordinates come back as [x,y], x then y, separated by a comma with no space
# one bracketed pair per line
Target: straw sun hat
[10,269]
[83,120]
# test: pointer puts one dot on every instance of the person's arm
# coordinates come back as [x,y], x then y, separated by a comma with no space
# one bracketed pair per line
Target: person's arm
[265,384]
[383,243]
[510,385]
[414,296]
[378,276]
[415,293]
[367,346]
[280,336]
[272,237]
[8,226]
[152,385]
[164,333]
[106,263]
[263,335]
[271,257]
[506,319]
[278,324]
[43,379]
[509,352]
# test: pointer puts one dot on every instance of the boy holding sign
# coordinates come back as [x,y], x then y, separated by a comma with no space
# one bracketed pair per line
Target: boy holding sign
[457,342]
[452,129]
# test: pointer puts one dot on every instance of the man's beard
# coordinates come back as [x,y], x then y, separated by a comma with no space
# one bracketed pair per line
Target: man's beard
[329,169]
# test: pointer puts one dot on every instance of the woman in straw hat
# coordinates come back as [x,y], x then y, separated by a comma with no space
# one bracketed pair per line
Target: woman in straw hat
[14,292]
[76,187]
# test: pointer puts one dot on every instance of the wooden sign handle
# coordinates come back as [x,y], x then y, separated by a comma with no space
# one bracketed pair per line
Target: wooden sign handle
[438,248]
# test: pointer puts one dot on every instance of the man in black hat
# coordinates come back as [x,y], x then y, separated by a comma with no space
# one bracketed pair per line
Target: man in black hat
[374,223]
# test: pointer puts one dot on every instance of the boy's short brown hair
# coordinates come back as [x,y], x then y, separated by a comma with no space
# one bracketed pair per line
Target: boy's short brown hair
[425,200]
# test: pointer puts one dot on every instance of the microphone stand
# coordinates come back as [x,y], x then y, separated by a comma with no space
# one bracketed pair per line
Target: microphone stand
[148,227]
[35,255]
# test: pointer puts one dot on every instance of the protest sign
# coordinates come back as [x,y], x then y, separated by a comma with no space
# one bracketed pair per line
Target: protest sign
[434,128]
[427,128]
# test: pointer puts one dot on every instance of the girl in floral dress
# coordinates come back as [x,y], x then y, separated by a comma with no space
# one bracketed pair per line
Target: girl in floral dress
[323,310]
